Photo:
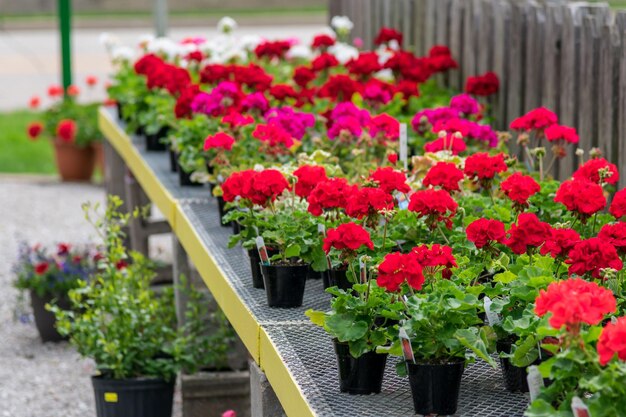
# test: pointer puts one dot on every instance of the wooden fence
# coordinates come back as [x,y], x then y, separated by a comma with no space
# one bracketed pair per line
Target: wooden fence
[567,56]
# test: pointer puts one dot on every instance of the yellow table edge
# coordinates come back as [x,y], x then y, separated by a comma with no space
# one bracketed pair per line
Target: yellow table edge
[289,394]
[158,194]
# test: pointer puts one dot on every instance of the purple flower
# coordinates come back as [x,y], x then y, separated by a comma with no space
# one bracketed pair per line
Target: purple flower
[465,104]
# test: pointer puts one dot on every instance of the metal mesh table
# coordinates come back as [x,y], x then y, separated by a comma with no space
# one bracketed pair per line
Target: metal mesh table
[305,350]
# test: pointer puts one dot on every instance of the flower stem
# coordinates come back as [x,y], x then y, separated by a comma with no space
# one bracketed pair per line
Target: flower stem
[442,234]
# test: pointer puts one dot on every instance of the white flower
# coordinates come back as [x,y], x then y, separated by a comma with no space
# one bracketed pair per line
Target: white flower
[393,44]
[249,42]
[384,55]
[258,167]
[299,51]
[122,54]
[343,52]
[108,41]
[385,75]
[226,25]
[342,25]
[145,40]
[164,46]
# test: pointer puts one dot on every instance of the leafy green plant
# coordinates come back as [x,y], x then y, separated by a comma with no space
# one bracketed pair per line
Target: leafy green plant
[84,115]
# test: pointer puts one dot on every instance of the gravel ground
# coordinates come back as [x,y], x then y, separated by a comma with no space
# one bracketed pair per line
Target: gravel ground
[38,380]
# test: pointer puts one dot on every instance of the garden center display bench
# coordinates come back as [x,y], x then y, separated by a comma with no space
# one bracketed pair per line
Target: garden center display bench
[296,356]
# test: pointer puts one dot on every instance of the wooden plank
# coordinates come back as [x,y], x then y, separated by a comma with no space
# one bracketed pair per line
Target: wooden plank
[419,12]
[608,91]
[367,23]
[622,105]
[441,19]
[515,81]
[386,9]
[469,52]
[502,20]
[456,42]
[533,70]
[407,24]
[430,26]
[588,85]
[485,35]
[552,57]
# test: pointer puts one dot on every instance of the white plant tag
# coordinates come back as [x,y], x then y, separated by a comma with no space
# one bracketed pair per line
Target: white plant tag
[362,270]
[492,317]
[260,245]
[535,382]
[404,146]
[579,408]
[407,348]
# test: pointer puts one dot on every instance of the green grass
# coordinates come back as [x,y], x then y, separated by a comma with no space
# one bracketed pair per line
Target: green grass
[19,154]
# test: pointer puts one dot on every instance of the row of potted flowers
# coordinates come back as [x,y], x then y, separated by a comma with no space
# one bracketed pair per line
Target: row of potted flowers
[436,244]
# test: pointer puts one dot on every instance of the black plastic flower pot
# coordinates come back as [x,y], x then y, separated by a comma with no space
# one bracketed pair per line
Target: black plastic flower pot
[255,266]
[236,227]
[339,278]
[173,160]
[184,178]
[45,320]
[514,376]
[312,274]
[154,143]
[221,204]
[362,375]
[435,387]
[133,397]
[284,284]
[118,107]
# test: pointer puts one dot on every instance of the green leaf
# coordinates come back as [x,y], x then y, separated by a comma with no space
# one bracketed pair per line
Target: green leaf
[317,317]
[505,277]
[293,251]
[525,353]
[345,327]
[471,339]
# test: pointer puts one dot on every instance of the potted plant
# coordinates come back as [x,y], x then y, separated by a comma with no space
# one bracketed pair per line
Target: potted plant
[126,328]
[345,242]
[73,129]
[48,276]
[360,321]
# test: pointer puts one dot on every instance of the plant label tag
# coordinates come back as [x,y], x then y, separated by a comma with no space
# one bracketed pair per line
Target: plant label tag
[404,146]
[579,408]
[260,245]
[535,382]
[321,230]
[403,202]
[110,397]
[220,179]
[492,317]
[362,269]
[407,349]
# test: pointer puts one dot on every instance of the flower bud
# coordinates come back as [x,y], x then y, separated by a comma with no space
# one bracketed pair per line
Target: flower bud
[595,153]
[523,139]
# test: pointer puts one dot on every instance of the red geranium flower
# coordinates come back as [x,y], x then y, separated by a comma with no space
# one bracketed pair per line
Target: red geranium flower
[445,175]
[332,193]
[368,202]
[483,167]
[322,41]
[66,130]
[214,73]
[573,302]
[439,50]
[220,140]
[483,232]
[73,90]
[122,264]
[324,61]
[266,186]
[236,120]
[537,119]
[386,35]
[237,184]
[451,142]
[590,171]
[557,133]
[348,236]
[392,158]
[529,232]
[519,188]
[560,242]
[308,177]
[273,134]
[55,91]
[581,196]
[385,126]
[365,64]
[41,268]
[407,88]
[339,87]
[436,205]
[183,103]
[63,249]
[483,85]
[435,258]
[592,255]
[91,80]
[283,91]
[612,341]
[615,234]
[34,130]
[390,180]
[398,268]
[303,76]
[34,102]
[618,206]
[272,49]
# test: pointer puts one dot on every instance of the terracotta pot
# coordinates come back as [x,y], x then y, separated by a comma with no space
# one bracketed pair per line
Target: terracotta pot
[98,153]
[74,163]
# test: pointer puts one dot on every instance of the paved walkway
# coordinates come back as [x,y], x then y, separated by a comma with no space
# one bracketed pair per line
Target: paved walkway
[30,59]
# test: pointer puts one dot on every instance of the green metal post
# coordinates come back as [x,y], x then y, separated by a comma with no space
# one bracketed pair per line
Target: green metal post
[65,27]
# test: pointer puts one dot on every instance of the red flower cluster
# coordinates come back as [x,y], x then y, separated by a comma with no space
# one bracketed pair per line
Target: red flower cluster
[160,74]
[348,236]
[368,202]
[323,62]
[618,206]
[398,268]
[590,170]
[258,187]
[445,175]
[450,142]
[236,120]
[387,35]
[328,194]
[519,188]
[41,268]
[537,119]
[557,133]
[34,130]
[529,232]
[560,242]
[480,166]
[272,49]
[219,140]
[238,184]
[573,302]
[365,64]
[612,341]
[303,76]
[322,41]
[273,134]
[308,177]
[484,232]
[436,258]
[384,127]
[281,92]
[592,255]
[615,234]
[183,103]
[66,130]
[582,196]
[436,205]
[390,180]
[339,87]
[483,85]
